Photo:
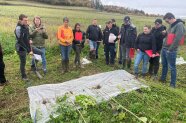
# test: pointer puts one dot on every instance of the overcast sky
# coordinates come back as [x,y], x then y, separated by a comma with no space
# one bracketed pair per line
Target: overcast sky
[178,7]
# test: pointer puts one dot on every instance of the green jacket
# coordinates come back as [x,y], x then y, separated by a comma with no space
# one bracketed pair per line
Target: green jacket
[38,37]
[178,29]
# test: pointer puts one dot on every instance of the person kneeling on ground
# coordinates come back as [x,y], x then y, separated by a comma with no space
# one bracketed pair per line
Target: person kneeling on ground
[145,41]
[78,43]
[109,38]
[2,68]
[65,37]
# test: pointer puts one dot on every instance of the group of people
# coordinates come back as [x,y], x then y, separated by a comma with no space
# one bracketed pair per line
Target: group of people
[149,45]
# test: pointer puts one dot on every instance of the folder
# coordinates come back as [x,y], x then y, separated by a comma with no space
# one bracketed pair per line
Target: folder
[131,52]
[149,53]
[171,37]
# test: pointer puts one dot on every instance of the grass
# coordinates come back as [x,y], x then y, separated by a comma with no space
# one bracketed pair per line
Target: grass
[159,103]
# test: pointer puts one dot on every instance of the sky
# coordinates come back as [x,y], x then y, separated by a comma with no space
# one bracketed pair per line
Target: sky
[177,7]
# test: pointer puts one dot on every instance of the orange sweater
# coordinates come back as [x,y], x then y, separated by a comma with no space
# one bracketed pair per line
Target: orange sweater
[65,36]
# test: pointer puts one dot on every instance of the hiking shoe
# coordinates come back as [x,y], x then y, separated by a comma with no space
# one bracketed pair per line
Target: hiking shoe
[155,78]
[45,71]
[25,79]
[136,76]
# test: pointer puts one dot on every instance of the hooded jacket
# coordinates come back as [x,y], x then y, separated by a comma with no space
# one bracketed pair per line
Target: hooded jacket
[178,29]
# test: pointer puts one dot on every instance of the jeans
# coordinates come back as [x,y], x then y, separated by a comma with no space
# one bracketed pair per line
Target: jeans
[141,56]
[109,53]
[22,57]
[43,56]
[169,60]
[65,52]
[93,45]
[98,44]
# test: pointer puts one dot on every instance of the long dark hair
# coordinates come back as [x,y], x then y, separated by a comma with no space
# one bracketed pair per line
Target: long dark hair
[77,24]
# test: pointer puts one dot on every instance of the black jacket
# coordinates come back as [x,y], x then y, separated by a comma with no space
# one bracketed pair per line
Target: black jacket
[1,54]
[94,33]
[146,42]
[116,28]
[106,34]
[22,38]
[128,35]
[159,37]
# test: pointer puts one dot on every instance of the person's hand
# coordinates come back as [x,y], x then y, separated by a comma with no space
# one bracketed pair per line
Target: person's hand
[119,36]
[87,40]
[31,53]
[153,55]
[37,29]
[30,42]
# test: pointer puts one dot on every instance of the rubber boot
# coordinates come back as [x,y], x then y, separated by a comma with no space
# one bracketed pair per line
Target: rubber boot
[67,66]
[129,64]
[63,63]
[124,63]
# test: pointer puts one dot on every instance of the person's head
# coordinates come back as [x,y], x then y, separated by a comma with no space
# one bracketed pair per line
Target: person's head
[37,21]
[77,27]
[113,21]
[23,19]
[169,18]
[158,23]
[109,24]
[147,29]
[126,20]
[94,22]
[65,21]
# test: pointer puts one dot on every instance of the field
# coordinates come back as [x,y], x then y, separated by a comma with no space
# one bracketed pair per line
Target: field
[158,103]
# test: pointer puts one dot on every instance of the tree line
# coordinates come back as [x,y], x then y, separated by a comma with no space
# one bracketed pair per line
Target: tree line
[96,4]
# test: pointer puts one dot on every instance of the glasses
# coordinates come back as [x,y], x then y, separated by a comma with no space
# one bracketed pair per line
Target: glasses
[77,27]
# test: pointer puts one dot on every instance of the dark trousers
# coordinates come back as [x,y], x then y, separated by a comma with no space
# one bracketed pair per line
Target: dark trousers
[22,57]
[2,68]
[154,65]
[109,53]
[77,49]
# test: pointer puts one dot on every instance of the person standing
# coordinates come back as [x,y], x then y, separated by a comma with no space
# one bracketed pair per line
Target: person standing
[109,38]
[128,35]
[145,41]
[174,37]
[159,36]
[65,38]
[94,36]
[38,35]
[117,29]
[78,43]
[23,43]
[2,68]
